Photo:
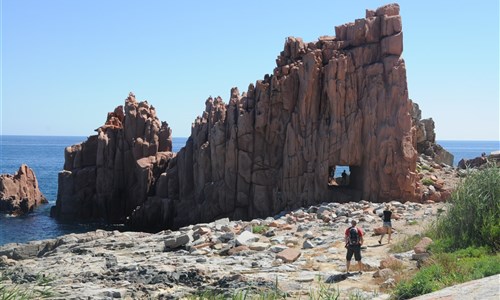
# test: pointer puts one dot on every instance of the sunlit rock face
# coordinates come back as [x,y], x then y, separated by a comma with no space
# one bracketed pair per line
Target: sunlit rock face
[112,173]
[339,101]
[20,192]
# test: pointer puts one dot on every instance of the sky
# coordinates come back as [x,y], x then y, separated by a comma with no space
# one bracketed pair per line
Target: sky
[66,64]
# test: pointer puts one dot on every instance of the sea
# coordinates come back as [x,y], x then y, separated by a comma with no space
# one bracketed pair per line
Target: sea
[45,155]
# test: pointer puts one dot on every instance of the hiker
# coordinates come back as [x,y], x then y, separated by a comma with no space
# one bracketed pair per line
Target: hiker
[353,242]
[387,223]
[332,175]
[344,178]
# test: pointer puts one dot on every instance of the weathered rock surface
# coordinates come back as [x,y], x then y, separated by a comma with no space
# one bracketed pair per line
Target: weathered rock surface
[20,193]
[113,172]
[480,289]
[426,138]
[340,101]
[211,256]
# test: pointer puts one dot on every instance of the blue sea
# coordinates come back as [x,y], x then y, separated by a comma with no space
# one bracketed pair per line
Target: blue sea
[45,155]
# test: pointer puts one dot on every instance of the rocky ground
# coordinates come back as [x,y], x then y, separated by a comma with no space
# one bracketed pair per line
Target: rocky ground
[302,251]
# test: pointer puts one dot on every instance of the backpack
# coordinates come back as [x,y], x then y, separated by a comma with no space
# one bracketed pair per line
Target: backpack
[353,236]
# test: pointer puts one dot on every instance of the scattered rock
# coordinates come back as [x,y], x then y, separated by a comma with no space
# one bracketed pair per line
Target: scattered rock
[421,247]
[100,264]
[289,255]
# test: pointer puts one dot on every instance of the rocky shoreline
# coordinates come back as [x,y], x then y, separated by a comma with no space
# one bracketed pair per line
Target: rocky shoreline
[298,253]
[300,250]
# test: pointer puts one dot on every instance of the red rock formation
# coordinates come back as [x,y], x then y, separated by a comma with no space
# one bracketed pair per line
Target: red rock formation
[19,193]
[113,172]
[339,101]
[426,138]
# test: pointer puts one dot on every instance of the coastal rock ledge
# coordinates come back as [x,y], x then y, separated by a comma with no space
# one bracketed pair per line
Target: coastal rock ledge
[19,193]
[341,101]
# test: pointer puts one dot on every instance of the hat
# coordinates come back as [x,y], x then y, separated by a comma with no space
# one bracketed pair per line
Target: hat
[388,206]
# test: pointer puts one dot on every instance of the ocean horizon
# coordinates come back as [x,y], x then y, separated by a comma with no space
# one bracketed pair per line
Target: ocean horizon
[45,155]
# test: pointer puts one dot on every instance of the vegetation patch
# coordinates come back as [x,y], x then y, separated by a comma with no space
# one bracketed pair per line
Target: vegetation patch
[466,238]
[41,290]
[406,244]
[427,181]
[260,229]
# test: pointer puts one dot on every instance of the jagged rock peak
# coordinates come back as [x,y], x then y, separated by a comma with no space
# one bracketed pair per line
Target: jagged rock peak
[339,102]
[20,193]
[111,173]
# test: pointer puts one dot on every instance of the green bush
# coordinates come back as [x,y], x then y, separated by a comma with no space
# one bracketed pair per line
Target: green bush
[473,217]
[466,238]
[422,283]
[260,229]
[427,181]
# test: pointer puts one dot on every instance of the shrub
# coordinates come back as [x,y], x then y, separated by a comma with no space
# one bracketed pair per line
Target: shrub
[466,237]
[427,181]
[473,218]
[424,282]
[260,229]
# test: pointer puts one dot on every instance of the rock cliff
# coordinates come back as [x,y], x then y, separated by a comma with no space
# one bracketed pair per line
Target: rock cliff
[19,193]
[111,173]
[341,101]
[426,138]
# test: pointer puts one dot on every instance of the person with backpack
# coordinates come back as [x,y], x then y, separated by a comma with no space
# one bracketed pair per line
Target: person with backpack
[353,240]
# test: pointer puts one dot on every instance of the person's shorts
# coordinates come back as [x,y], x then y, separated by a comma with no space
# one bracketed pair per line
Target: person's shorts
[356,250]
[388,224]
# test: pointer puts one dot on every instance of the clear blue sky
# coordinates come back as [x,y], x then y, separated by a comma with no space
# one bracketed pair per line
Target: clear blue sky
[66,64]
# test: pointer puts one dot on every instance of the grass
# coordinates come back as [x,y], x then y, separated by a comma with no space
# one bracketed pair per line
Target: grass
[422,167]
[43,289]
[260,229]
[473,216]
[405,244]
[466,238]
[323,291]
[250,293]
[238,295]
[446,269]
[427,181]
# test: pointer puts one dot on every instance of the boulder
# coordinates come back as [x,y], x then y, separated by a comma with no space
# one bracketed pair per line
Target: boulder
[472,163]
[289,255]
[20,193]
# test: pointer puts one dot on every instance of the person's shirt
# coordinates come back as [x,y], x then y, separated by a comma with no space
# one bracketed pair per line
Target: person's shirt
[387,215]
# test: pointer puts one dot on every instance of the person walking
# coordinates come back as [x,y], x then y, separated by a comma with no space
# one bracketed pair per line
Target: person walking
[353,242]
[387,223]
